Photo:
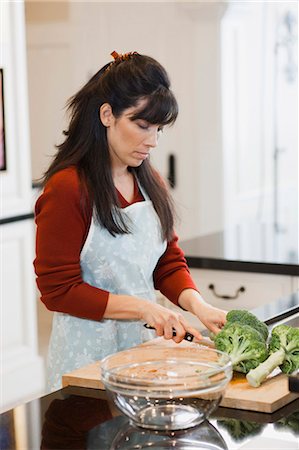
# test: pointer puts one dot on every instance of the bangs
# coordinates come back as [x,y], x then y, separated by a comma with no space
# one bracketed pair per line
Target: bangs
[160,109]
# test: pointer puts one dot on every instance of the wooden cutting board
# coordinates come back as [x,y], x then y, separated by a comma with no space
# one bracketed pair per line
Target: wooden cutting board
[269,397]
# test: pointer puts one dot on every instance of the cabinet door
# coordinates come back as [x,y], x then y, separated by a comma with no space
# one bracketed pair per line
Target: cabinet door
[240,290]
[22,370]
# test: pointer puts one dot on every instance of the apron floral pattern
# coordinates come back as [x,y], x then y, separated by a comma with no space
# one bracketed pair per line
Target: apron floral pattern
[123,264]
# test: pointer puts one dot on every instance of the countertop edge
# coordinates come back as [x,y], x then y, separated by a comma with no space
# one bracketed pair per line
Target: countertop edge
[198,262]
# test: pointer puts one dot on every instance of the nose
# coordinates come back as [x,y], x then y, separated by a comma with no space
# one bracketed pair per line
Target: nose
[152,138]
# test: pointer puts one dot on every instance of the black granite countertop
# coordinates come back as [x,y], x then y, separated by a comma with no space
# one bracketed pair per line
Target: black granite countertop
[80,419]
[250,247]
[77,418]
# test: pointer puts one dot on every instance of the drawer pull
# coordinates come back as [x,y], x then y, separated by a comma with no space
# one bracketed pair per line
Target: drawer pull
[227,297]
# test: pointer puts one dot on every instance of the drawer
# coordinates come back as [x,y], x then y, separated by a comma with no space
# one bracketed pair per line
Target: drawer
[240,290]
[243,290]
[295,284]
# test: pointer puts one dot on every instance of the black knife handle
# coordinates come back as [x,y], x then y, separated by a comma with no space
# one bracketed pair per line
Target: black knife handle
[294,383]
[188,336]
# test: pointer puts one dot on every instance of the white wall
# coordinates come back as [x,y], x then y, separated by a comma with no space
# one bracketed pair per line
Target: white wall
[184,37]
[221,80]
[260,121]
[21,368]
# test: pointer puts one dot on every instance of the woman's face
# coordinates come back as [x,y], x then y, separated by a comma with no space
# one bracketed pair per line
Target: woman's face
[130,142]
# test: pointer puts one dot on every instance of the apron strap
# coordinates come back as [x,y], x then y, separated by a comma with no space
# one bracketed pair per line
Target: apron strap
[143,192]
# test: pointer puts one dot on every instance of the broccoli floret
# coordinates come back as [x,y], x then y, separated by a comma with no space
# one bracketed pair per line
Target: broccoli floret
[240,429]
[291,421]
[243,316]
[243,344]
[288,338]
[284,352]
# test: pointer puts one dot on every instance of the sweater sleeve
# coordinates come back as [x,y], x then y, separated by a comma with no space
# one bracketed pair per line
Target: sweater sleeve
[172,275]
[61,231]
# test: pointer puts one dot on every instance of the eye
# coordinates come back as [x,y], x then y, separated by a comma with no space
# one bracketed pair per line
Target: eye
[143,125]
[146,126]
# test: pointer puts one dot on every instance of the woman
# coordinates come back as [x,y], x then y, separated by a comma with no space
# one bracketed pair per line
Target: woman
[105,223]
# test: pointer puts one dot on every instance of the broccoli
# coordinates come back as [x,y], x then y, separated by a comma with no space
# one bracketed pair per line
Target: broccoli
[284,352]
[243,316]
[291,421]
[240,429]
[243,344]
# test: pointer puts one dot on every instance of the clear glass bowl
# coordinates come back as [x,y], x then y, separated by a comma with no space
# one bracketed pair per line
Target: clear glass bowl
[202,437]
[167,388]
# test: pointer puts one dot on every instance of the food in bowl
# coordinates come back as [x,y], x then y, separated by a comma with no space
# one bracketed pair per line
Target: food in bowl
[163,388]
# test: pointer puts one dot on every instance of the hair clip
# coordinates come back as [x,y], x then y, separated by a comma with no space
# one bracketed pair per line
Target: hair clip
[118,57]
[115,55]
[122,56]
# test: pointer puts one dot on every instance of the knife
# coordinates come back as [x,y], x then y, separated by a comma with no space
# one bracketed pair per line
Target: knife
[188,337]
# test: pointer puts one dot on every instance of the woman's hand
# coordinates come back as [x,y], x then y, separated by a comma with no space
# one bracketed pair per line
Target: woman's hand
[124,307]
[213,318]
[164,321]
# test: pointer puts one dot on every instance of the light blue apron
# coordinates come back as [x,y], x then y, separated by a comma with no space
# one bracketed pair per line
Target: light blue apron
[123,264]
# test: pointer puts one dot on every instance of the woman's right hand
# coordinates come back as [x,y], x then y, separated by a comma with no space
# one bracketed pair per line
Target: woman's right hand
[165,321]
[126,307]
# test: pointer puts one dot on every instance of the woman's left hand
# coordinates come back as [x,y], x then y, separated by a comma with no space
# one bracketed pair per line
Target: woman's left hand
[213,318]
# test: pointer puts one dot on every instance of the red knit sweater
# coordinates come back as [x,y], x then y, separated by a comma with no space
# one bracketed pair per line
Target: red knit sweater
[62,228]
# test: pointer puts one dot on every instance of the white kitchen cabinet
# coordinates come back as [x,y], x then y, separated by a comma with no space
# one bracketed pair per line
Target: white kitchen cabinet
[295,284]
[244,290]
[22,369]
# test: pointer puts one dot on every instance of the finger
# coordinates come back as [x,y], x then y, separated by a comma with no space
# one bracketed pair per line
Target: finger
[191,329]
[220,321]
[159,329]
[180,325]
[214,328]
[168,330]
[180,332]
[195,332]
[223,320]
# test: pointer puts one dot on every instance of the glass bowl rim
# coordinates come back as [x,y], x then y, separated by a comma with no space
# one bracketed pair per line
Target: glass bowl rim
[114,380]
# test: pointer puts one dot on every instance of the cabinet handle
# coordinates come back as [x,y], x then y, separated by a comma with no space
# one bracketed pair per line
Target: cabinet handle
[172,171]
[227,297]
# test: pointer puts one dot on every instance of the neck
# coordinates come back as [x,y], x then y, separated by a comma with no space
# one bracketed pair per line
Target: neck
[120,173]
[118,168]
[124,183]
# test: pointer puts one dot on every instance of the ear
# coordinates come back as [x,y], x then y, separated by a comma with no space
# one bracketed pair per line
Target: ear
[106,114]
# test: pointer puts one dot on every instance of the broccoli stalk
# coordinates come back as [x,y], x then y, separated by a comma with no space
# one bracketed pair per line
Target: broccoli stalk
[284,352]
[256,376]
[245,346]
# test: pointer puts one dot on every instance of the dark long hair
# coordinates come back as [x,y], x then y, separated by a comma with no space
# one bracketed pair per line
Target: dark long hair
[122,84]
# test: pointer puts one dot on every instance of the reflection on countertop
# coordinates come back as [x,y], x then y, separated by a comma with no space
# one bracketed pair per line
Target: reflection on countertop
[251,246]
[76,418]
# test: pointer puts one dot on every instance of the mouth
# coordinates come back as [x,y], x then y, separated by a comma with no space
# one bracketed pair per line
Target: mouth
[142,155]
